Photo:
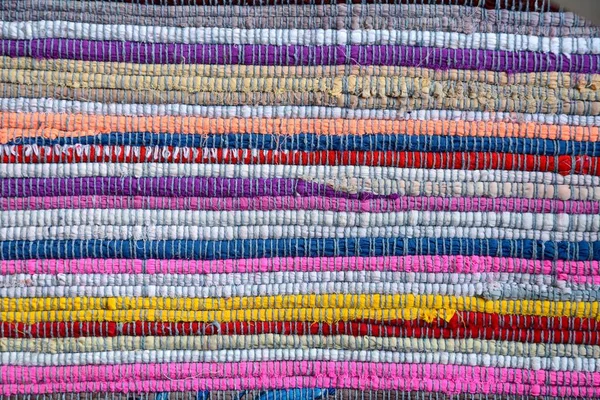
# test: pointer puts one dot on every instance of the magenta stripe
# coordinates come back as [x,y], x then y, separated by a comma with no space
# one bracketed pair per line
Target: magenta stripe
[306,203]
[432,264]
[296,374]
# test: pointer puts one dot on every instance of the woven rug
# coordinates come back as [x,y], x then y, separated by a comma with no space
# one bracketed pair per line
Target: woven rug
[298,200]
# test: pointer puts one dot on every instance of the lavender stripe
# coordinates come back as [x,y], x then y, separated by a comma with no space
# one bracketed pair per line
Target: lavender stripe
[425,57]
[170,187]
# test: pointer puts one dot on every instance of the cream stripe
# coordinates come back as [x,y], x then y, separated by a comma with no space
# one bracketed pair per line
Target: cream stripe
[50,105]
[274,341]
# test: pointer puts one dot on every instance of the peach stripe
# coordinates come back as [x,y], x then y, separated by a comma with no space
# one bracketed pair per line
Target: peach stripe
[19,125]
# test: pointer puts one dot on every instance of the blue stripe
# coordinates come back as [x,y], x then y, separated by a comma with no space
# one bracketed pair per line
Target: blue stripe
[312,142]
[237,249]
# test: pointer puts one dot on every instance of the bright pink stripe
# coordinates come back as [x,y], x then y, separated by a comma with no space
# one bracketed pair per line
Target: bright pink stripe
[311,203]
[296,374]
[458,264]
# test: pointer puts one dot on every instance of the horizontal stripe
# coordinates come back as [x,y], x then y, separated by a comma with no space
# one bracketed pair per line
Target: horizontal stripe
[588,365]
[17,125]
[247,232]
[421,263]
[272,341]
[248,375]
[141,231]
[499,16]
[486,99]
[252,315]
[447,305]
[542,79]
[312,142]
[175,187]
[396,328]
[298,55]
[205,189]
[392,83]
[266,203]
[301,218]
[497,290]
[56,106]
[341,90]
[316,172]
[564,165]
[467,23]
[267,248]
[28,30]
[282,277]
[463,325]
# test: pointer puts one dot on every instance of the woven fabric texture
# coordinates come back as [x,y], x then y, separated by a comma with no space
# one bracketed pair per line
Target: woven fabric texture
[298,200]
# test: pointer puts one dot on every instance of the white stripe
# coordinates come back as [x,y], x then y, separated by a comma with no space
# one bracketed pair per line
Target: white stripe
[27,30]
[208,280]
[50,105]
[312,172]
[165,356]
[346,342]
[312,219]
[494,290]
[187,232]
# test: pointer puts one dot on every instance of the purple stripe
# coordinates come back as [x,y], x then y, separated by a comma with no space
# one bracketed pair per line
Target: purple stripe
[426,57]
[170,187]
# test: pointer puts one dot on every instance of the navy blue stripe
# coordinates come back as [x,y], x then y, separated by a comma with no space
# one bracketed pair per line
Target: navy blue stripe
[312,142]
[237,249]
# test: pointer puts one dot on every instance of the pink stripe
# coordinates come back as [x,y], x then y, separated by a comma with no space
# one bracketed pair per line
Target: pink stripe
[449,379]
[457,264]
[291,203]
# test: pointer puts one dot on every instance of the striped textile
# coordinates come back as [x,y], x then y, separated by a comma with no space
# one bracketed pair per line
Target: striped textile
[298,200]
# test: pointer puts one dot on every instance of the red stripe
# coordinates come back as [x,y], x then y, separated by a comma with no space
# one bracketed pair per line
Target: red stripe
[463,325]
[406,159]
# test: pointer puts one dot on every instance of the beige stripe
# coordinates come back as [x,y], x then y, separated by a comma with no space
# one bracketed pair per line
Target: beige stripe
[546,79]
[522,102]
[371,85]
[273,341]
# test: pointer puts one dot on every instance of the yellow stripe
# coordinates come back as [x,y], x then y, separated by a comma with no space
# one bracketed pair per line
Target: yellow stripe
[295,314]
[329,301]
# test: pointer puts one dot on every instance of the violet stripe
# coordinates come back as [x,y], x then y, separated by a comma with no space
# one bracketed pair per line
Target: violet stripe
[422,203]
[171,187]
[429,264]
[450,379]
[425,57]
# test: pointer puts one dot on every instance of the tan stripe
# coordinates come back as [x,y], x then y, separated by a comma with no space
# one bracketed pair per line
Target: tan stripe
[273,341]
[546,79]
[356,84]
[481,100]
